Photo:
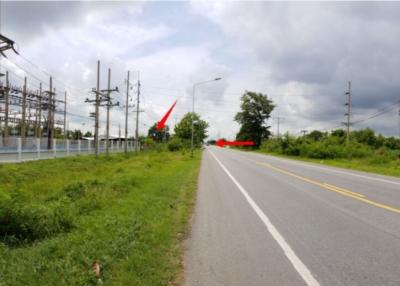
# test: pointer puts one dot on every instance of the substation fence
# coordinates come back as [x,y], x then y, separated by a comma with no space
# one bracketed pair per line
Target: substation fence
[17,149]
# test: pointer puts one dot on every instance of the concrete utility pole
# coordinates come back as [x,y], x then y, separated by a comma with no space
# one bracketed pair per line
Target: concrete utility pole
[348,113]
[119,135]
[6,106]
[278,121]
[99,97]
[108,112]
[137,116]
[126,115]
[65,115]
[109,104]
[39,131]
[23,127]
[97,103]
[53,114]
[36,115]
[49,115]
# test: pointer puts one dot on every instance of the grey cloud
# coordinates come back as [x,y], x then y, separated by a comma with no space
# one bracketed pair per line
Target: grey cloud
[322,45]
[27,20]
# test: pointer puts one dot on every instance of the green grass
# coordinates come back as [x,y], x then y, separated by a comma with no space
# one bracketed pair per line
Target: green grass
[370,165]
[130,214]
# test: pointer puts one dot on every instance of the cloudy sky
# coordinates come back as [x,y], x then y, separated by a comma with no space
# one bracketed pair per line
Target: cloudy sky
[300,54]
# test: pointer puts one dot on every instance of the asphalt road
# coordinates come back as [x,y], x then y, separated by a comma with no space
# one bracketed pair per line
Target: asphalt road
[262,220]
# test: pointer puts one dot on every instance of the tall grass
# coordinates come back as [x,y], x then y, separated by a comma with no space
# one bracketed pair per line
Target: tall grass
[128,214]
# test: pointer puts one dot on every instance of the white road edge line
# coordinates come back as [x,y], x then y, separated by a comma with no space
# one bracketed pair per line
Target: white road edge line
[300,267]
[330,169]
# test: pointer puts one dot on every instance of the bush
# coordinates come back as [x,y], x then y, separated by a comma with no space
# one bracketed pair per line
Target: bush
[320,145]
[75,190]
[21,222]
[148,143]
[175,144]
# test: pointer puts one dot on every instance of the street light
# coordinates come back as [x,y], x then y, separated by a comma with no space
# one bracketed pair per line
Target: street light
[194,89]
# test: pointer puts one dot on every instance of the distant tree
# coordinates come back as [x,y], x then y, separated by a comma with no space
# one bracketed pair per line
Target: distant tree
[76,134]
[316,135]
[158,135]
[256,109]
[365,136]
[184,128]
[338,133]
[88,134]
[392,143]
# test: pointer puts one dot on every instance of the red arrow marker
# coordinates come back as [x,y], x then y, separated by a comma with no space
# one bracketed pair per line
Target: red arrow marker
[161,123]
[223,143]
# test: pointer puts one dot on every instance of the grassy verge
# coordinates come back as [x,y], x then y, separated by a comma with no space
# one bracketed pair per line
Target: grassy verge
[129,214]
[391,168]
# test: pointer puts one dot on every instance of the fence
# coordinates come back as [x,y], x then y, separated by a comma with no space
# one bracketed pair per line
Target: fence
[17,149]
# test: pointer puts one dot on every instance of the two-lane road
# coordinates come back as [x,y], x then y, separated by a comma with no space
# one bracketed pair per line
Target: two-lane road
[261,220]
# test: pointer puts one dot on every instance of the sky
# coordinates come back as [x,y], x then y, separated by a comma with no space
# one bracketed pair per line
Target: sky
[301,55]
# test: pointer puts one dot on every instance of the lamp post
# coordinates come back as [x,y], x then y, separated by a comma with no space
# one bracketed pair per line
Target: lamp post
[194,90]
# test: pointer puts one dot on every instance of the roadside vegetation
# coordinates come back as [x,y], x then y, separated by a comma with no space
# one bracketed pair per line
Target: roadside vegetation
[61,218]
[365,151]
[181,139]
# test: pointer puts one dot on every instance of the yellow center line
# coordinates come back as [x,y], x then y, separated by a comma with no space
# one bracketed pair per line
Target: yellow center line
[343,190]
[332,188]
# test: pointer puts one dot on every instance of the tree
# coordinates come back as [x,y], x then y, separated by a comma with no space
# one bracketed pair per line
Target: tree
[158,135]
[76,134]
[256,109]
[365,136]
[316,135]
[183,129]
[88,134]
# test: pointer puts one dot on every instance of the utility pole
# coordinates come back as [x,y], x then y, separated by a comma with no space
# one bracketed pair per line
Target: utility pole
[109,104]
[23,127]
[108,112]
[348,113]
[49,115]
[6,106]
[96,124]
[65,115]
[126,115]
[304,132]
[39,131]
[137,116]
[100,97]
[36,115]
[53,113]
[278,119]
[119,135]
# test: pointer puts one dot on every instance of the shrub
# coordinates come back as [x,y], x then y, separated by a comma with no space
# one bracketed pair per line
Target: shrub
[21,222]
[75,190]
[175,144]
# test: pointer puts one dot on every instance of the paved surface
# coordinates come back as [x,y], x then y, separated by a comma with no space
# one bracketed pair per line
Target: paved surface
[262,220]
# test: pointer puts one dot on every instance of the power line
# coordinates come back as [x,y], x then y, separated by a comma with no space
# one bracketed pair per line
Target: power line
[379,113]
[27,72]
[48,74]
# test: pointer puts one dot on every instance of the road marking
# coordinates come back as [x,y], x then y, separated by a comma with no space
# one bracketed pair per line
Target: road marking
[331,188]
[343,190]
[310,165]
[300,267]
